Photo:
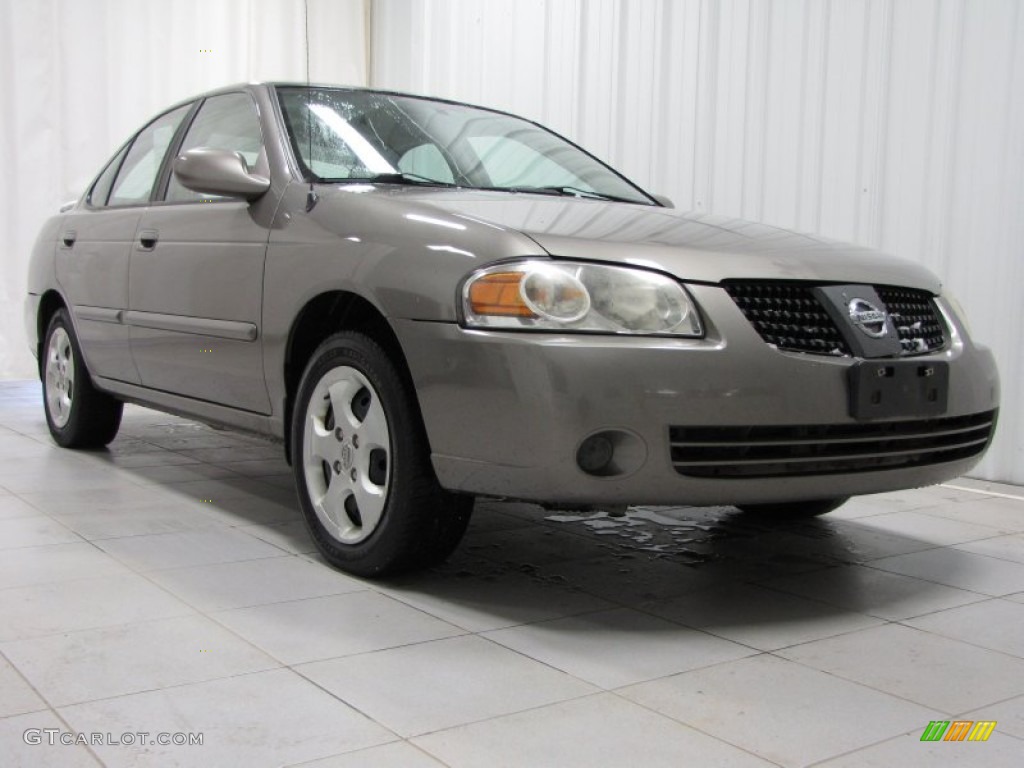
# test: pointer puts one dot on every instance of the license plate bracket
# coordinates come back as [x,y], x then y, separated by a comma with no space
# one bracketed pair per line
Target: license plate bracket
[890,389]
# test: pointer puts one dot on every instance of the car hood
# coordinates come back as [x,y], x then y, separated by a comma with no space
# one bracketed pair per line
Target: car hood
[691,246]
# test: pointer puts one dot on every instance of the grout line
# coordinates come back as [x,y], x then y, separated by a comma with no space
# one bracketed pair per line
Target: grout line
[981,492]
[617,692]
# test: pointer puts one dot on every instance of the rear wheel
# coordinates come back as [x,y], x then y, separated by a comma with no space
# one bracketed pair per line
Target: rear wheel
[367,489]
[78,414]
[795,509]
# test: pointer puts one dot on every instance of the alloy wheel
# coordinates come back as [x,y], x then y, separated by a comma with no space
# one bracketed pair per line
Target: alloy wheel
[346,454]
[60,377]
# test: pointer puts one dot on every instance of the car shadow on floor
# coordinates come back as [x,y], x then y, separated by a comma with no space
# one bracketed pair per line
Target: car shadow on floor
[519,563]
[766,582]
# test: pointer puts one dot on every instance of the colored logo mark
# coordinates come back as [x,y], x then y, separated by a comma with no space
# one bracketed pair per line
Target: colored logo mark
[958,730]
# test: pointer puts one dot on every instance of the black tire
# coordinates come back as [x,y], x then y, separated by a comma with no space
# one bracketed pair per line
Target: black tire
[78,414]
[417,523]
[794,510]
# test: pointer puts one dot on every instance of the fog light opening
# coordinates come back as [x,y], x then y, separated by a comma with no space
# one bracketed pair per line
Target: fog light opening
[611,453]
[594,456]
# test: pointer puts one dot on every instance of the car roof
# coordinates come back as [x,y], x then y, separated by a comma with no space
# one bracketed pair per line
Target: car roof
[271,84]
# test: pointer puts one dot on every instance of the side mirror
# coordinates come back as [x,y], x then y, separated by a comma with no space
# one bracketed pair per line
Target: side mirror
[665,201]
[218,172]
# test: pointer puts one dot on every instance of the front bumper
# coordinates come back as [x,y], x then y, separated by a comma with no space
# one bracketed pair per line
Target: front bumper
[506,412]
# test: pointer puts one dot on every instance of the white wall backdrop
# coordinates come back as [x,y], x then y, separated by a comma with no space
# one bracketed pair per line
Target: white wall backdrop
[78,76]
[897,124]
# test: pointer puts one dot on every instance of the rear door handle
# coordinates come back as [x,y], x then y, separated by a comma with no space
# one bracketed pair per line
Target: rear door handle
[68,238]
[147,239]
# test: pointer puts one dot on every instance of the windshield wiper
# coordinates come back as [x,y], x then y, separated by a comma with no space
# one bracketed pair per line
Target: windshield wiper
[414,179]
[562,191]
[391,178]
[577,192]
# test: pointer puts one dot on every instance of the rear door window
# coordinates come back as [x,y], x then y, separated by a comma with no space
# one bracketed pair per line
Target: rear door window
[138,172]
[101,189]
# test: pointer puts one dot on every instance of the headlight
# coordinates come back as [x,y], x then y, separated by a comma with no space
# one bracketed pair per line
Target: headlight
[569,296]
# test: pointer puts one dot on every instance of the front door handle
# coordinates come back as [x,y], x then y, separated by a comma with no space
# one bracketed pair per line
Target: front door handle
[68,238]
[147,239]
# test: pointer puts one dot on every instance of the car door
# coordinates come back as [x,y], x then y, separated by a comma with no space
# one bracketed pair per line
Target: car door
[95,242]
[196,278]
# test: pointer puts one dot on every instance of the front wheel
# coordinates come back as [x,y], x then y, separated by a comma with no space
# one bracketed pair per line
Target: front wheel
[795,509]
[366,486]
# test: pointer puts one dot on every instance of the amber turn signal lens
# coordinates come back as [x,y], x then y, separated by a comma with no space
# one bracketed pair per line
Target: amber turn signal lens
[499,294]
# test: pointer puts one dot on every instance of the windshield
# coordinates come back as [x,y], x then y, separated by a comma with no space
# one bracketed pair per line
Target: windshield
[341,135]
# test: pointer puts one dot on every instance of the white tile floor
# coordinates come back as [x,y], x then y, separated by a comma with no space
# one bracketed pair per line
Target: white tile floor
[167,585]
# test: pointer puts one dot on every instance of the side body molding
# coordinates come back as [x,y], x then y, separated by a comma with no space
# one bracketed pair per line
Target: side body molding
[202,326]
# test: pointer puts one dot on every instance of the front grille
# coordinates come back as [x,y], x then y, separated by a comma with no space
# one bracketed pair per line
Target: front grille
[789,316]
[821,449]
[913,313]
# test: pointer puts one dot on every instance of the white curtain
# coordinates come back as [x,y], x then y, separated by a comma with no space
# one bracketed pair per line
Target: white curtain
[78,76]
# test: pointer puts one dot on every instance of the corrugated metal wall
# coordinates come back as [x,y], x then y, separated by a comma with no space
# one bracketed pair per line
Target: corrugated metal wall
[897,124]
